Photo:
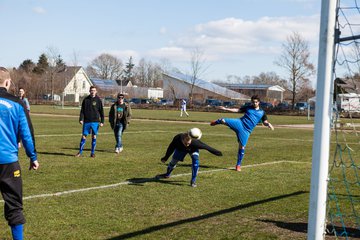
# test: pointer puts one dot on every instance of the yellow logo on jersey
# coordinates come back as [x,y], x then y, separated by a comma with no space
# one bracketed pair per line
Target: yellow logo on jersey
[17,173]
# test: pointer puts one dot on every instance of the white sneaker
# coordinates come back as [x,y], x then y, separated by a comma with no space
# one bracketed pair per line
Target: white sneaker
[120,149]
[117,150]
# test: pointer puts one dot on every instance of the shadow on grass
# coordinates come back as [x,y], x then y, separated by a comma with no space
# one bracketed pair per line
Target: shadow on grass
[202,217]
[141,181]
[56,153]
[76,150]
[302,227]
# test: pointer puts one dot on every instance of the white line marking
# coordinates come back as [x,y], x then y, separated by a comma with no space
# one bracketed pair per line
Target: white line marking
[150,179]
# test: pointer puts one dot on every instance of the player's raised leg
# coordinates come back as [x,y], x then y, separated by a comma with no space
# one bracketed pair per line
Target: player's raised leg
[194,168]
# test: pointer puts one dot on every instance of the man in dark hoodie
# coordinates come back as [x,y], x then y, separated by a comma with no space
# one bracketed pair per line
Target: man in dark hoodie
[181,145]
[91,117]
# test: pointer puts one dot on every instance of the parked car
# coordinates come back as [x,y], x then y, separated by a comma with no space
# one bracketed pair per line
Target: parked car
[266,105]
[282,106]
[301,106]
[166,102]
[228,103]
[213,102]
[139,101]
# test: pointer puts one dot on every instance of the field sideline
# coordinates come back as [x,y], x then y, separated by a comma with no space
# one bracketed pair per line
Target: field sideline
[81,198]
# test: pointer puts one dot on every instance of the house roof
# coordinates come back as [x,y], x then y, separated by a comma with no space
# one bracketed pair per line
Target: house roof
[254,86]
[68,73]
[104,84]
[208,86]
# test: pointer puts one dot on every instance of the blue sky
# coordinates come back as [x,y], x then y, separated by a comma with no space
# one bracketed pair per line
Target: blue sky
[237,37]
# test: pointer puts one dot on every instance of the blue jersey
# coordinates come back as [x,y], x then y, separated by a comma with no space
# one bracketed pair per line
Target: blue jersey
[245,125]
[15,124]
[252,117]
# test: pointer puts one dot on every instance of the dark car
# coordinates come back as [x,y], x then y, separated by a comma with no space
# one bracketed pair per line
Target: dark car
[301,106]
[213,102]
[228,104]
[266,105]
[139,101]
[282,106]
[165,102]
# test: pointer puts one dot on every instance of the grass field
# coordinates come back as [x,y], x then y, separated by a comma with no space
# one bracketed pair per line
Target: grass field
[116,196]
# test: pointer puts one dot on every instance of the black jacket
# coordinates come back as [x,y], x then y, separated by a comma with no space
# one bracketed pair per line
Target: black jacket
[195,145]
[92,110]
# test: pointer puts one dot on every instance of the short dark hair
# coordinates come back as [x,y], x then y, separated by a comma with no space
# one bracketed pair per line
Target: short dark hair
[255,97]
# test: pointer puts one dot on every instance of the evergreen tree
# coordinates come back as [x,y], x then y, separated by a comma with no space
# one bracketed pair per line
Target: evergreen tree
[128,69]
[27,66]
[42,65]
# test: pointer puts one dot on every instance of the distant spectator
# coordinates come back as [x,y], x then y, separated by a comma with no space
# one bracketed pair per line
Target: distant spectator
[22,96]
[183,107]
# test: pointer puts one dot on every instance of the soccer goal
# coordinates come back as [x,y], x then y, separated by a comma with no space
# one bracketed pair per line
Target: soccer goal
[334,207]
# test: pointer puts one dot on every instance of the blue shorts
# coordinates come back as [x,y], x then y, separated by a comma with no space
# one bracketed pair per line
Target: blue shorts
[91,127]
[180,155]
[237,126]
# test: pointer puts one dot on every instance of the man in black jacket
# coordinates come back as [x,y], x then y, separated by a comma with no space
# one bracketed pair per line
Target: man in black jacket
[91,117]
[181,145]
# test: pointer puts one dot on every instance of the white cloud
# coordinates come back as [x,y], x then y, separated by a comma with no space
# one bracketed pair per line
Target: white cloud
[39,10]
[174,53]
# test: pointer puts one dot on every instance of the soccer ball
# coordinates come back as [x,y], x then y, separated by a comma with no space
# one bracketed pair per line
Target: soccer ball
[195,133]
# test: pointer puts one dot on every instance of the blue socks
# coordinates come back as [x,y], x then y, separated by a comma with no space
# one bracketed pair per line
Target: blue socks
[219,121]
[17,231]
[170,168]
[82,144]
[241,153]
[93,145]
[195,167]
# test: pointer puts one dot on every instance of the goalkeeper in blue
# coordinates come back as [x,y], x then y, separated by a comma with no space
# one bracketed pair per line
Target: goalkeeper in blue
[181,145]
[243,126]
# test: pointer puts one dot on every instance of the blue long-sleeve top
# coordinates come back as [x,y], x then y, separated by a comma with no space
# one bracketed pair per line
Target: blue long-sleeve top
[15,125]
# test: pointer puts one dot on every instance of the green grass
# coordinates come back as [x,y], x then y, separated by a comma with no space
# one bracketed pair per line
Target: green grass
[267,200]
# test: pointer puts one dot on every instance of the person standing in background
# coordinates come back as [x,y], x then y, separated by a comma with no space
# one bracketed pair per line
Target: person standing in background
[91,117]
[23,97]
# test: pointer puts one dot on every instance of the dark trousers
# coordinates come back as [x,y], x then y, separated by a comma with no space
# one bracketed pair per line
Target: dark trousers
[11,191]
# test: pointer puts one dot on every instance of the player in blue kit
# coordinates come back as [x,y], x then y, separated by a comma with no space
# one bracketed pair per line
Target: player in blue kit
[245,125]
[91,117]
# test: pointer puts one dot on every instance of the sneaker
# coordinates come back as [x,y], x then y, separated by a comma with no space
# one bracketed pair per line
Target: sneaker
[78,155]
[121,149]
[117,150]
[193,184]
[162,176]
[92,155]
[238,168]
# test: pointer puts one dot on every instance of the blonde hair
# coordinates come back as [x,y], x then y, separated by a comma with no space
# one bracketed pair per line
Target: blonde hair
[4,75]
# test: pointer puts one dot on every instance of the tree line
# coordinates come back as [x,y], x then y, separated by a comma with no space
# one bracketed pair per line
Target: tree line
[40,78]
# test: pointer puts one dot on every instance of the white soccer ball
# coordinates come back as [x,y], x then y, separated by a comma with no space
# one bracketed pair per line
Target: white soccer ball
[195,133]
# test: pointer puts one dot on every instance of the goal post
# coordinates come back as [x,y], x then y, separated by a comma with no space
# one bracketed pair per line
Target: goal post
[323,112]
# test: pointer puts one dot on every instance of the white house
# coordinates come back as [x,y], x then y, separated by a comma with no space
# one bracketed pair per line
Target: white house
[76,82]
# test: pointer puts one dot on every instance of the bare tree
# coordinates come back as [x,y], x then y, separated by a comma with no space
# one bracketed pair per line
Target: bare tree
[270,78]
[56,65]
[147,73]
[295,60]
[197,68]
[105,66]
